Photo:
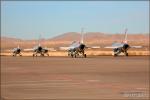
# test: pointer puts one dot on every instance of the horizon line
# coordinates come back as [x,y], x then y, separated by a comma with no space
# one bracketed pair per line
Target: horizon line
[3,36]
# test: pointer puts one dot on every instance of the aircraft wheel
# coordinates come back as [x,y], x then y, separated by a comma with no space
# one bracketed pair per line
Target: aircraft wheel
[75,55]
[84,55]
[115,55]
[126,54]
[33,55]
[68,54]
[72,55]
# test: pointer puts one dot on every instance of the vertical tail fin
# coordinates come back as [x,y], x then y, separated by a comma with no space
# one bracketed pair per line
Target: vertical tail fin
[82,33]
[125,37]
[39,40]
[18,42]
[18,46]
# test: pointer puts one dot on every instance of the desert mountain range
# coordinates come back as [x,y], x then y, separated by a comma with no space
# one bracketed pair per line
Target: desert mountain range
[91,38]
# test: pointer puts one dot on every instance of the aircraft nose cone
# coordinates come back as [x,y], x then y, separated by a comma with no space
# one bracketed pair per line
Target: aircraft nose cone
[18,50]
[82,46]
[126,46]
[40,48]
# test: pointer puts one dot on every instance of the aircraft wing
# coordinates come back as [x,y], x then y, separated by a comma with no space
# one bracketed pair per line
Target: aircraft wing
[64,48]
[115,45]
[136,47]
[86,46]
[92,47]
[72,46]
[9,50]
[111,47]
[119,46]
[49,49]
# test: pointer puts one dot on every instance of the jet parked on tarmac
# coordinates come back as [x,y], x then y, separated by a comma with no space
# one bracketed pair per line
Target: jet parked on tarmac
[121,47]
[77,48]
[39,50]
[17,51]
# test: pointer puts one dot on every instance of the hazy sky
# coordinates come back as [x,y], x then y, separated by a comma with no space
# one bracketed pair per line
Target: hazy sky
[28,19]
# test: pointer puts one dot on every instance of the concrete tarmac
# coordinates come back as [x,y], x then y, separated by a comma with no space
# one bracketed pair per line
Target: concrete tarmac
[97,77]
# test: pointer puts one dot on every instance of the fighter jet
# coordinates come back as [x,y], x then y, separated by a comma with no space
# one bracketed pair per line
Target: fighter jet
[77,48]
[121,47]
[38,50]
[16,51]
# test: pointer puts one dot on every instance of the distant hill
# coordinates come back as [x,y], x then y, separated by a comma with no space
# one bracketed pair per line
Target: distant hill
[96,36]
[70,36]
[12,40]
[91,38]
